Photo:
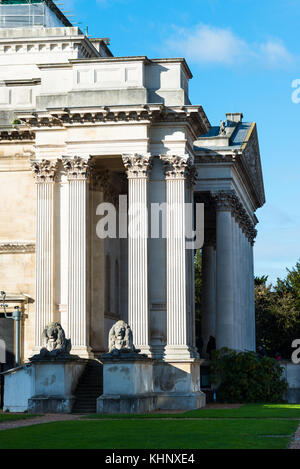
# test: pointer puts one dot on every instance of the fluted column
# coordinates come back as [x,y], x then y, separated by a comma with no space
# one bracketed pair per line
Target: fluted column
[138,167]
[239,322]
[225,279]
[44,172]
[78,173]
[209,292]
[180,175]
[251,234]
[252,294]
[239,319]
[245,278]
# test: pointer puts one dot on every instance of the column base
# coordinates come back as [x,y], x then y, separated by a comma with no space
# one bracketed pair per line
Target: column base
[51,405]
[145,349]
[178,401]
[158,352]
[180,353]
[177,385]
[132,404]
[83,352]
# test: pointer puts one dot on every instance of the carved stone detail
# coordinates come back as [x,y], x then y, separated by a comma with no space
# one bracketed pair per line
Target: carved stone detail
[222,128]
[57,346]
[224,200]
[17,135]
[44,170]
[151,113]
[228,200]
[179,167]
[137,166]
[13,247]
[78,168]
[121,343]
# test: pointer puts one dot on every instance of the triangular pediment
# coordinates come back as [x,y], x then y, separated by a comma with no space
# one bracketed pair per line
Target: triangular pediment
[251,153]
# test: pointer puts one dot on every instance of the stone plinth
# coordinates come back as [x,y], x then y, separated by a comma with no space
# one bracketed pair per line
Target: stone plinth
[128,386]
[46,386]
[177,385]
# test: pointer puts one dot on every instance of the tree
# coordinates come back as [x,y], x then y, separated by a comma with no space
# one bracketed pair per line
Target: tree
[278,313]
[291,284]
[258,281]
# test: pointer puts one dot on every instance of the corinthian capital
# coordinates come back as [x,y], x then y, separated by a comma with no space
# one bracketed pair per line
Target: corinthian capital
[137,166]
[224,200]
[77,167]
[252,235]
[179,167]
[44,170]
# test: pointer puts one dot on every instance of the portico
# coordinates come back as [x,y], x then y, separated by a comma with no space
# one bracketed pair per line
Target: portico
[157,298]
[85,135]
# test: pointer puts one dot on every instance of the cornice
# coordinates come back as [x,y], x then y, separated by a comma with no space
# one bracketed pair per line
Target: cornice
[16,134]
[97,115]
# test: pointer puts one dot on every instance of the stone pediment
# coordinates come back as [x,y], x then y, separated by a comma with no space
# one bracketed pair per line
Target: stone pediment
[251,154]
[240,149]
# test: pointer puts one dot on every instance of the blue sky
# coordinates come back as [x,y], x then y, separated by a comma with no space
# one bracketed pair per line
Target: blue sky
[244,55]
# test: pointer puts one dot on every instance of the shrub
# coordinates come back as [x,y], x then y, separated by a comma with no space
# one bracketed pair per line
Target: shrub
[16,122]
[247,377]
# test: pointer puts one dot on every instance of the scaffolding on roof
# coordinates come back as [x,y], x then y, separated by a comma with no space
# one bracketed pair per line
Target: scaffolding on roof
[31,13]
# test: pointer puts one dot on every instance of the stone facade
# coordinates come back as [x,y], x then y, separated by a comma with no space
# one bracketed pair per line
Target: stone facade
[76,133]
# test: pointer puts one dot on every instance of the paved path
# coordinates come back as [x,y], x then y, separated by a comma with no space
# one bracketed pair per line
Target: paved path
[38,420]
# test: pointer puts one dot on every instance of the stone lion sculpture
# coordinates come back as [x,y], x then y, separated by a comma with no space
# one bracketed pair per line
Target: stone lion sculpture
[120,338]
[57,346]
[55,339]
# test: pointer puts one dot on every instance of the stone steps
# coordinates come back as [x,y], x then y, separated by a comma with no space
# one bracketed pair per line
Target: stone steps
[89,388]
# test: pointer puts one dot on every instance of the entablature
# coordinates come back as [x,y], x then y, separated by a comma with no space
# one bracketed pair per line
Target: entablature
[97,115]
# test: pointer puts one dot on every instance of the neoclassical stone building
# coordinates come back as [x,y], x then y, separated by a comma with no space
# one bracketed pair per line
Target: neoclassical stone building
[80,127]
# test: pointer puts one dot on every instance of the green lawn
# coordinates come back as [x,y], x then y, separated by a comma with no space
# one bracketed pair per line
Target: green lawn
[261,426]
[164,434]
[11,417]
[249,411]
